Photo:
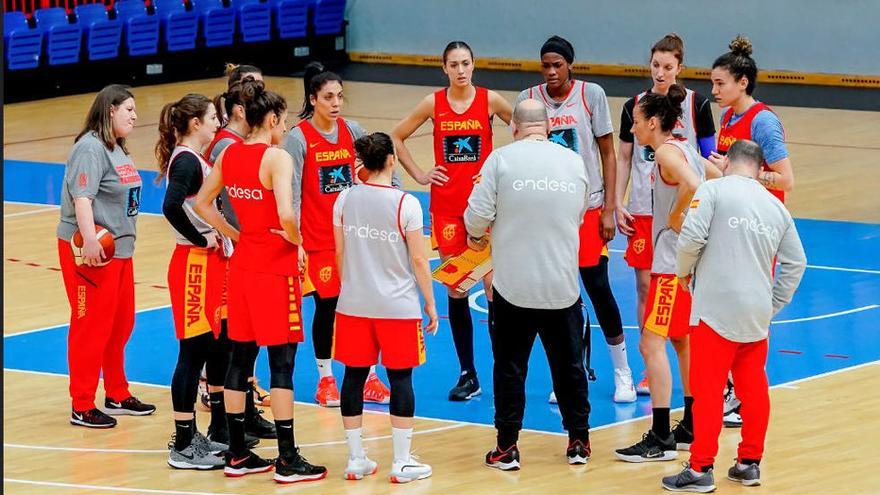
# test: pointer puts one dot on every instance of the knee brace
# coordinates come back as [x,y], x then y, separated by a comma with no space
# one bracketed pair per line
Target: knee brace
[403,401]
[281,360]
[241,365]
[352,394]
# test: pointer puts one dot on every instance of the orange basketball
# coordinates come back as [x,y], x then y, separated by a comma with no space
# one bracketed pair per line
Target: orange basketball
[105,239]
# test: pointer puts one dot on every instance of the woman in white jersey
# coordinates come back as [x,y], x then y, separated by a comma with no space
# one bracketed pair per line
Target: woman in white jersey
[378,309]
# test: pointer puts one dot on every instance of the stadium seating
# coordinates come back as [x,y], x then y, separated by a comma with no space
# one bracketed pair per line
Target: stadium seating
[141,30]
[217,21]
[180,27]
[63,39]
[21,44]
[103,36]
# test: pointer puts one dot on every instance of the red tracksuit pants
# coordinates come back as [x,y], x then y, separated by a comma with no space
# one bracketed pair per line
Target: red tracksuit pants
[712,357]
[101,321]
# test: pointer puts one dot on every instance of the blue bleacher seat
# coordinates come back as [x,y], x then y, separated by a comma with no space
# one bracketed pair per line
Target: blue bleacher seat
[329,17]
[254,20]
[291,18]
[63,40]
[218,22]
[141,30]
[181,27]
[21,44]
[103,36]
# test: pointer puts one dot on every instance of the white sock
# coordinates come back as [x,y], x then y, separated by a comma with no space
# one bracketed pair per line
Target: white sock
[324,367]
[355,442]
[618,355]
[698,474]
[741,467]
[373,369]
[402,440]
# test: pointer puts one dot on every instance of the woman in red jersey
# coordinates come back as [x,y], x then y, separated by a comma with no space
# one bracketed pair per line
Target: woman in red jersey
[264,287]
[462,117]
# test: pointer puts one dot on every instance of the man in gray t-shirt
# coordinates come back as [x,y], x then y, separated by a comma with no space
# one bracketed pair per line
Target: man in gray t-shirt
[729,243]
[533,195]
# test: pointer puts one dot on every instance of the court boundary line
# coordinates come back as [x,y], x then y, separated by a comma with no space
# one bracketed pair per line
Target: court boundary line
[106,488]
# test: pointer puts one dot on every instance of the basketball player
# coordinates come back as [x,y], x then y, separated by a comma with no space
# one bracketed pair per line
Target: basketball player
[322,148]
[734,76]
[678,170]
[580,121]
[101,186]
[264,288]
[696,125]
[381,253]
[734,300]
[462,117]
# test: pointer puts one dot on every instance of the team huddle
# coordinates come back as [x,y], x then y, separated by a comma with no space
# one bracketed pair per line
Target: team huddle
[265,214]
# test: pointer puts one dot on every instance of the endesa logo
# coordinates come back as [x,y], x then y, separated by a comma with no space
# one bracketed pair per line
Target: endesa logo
[545,184]
[372,233]
[755,226]
[244,193]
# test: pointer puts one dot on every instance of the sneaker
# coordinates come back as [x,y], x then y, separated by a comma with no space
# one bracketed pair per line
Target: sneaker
[683,437]
[194,457]
[204,396]
[222,436]
[327,394]
[505,460]
[249,463]
[733,419]
[358,467]
[649,449]
[642,388]
[624,391]
[297,469]
[409,470]
[93,418]
[552,399]
[578,452]
[749,476]
[208,445]
[130,406]
[689,481]
[257,426]
[375,391]
[261,395]
[467,388]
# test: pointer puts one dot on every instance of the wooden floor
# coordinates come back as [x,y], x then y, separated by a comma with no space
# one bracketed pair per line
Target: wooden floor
[822,438]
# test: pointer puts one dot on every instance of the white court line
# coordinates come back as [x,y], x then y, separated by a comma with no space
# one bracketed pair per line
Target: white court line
[107,488]
[26,213]
[60,325]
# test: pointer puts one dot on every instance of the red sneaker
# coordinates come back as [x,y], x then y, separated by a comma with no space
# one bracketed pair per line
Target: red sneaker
[642,388]
[375,391]
[327,394]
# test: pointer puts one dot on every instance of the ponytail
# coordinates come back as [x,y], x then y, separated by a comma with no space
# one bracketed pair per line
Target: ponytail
[314,78]
[667,108]
[174,125]
[373,149]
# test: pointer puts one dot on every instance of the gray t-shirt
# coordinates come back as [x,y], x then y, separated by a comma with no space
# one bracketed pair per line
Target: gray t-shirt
[575,123]
[733,232]
[377,277]
[111,181]
[664,196]
[533,195]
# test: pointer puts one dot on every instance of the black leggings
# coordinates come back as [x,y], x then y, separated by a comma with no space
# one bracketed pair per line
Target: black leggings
[403,401]
[281,361]
[598,288]
[322,326]
[195,352]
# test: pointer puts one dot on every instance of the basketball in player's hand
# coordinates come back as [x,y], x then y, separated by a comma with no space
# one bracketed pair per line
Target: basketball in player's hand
[105,239]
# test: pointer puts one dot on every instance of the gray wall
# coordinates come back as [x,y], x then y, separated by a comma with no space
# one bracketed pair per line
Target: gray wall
[834,36]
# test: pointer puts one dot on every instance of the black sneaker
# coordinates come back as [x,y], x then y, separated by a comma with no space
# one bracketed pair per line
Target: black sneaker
[649,449]
[505,460]
[130,406]
[688,481]
[683,437]
[750,476]
[93,418]
[297,469]
[221,435]
[468,387]
[257,426]
[249,463]
[578,452]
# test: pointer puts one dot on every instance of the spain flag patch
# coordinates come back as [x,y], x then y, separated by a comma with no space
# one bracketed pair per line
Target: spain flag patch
[695,203]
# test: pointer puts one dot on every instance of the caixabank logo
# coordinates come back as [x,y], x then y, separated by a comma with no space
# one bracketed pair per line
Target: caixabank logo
[458,149]
[564,137]
[335,178]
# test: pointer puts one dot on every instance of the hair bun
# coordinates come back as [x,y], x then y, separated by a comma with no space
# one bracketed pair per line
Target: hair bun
[741,46]
[677,93]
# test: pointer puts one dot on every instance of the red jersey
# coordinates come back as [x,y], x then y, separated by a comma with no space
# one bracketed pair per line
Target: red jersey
[258,248]
[742,129]
[223,133]
[462,141]
[328,169]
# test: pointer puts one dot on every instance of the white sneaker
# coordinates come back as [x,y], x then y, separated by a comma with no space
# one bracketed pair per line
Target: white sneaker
[732,419]
[410,470]
[358,467]
[552,398]
[624,391]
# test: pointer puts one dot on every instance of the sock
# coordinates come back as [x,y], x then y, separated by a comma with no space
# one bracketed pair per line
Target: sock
[218,411]
[402,440]
[462,332]
[324,368]
[286,446]
[355,441]
[744,463]
[183,433]
[236,433]
[250,408]
[688,419]
[507,439]
[661,422]
[699,474]
[618,355]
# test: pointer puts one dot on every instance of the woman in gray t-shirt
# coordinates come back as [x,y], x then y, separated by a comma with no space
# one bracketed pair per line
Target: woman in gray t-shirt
[101,187]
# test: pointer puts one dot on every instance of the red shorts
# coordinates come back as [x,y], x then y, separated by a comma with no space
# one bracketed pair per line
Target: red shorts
[639,248]
[357,341]
[448,235]
[322,276]
[264,307]
[592,244]
[668,307]
[196,280]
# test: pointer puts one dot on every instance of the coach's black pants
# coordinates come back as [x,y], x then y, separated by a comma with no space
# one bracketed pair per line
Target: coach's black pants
[561,332]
